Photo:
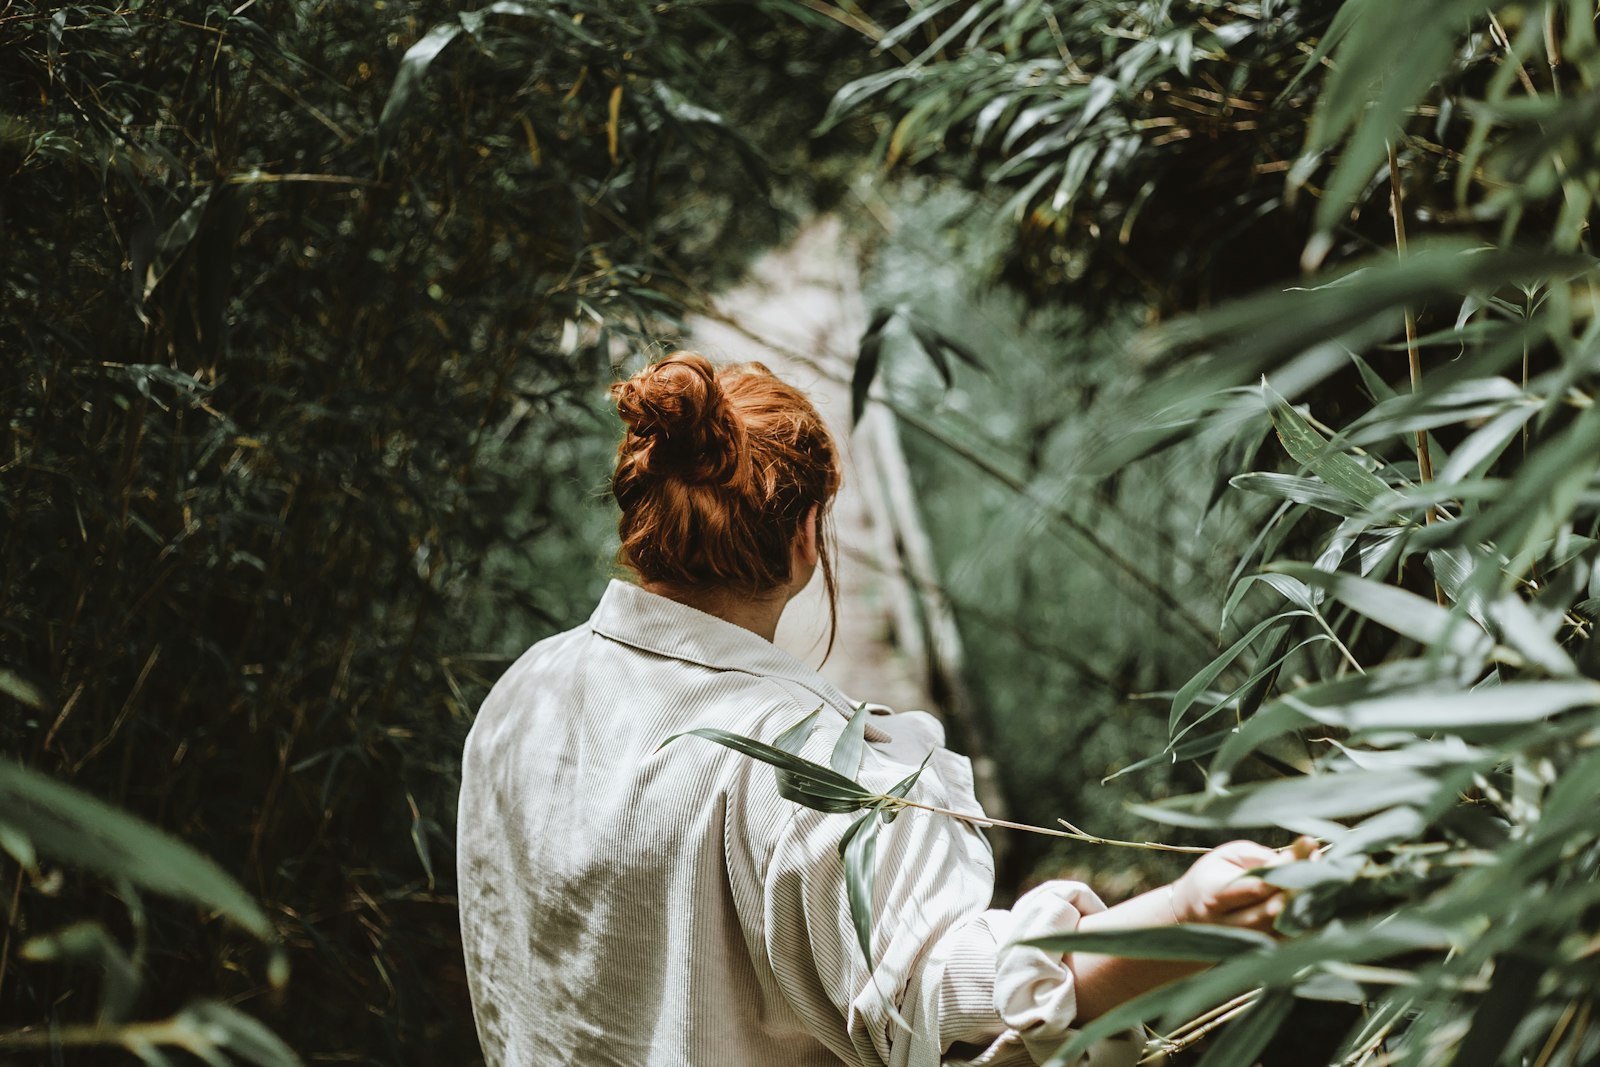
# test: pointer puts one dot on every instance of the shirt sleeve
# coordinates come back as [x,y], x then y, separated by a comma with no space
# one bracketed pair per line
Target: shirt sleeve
[932,878]
[940,956]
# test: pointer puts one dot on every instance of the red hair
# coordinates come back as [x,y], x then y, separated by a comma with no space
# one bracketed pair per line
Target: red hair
[716,473]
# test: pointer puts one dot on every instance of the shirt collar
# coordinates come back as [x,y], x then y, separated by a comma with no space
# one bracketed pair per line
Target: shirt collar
[661,625]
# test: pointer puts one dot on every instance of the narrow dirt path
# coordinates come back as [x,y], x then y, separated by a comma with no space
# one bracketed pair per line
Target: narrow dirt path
[805,298]
[800,311]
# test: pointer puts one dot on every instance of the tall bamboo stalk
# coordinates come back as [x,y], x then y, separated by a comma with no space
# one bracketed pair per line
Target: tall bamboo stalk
[1413,356]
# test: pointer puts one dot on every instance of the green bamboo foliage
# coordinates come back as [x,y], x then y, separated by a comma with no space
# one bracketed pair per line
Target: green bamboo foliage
[1410,671]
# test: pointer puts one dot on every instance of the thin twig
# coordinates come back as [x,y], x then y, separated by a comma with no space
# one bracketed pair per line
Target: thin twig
[1199,1027]
[1072,833]
[1556,1033]
[1340,645]
[11,923]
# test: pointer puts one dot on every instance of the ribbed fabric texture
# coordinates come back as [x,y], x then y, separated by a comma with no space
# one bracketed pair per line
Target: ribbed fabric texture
[628,904]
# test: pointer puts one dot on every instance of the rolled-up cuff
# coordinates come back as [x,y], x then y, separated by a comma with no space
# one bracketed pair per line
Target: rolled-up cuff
[1034,990]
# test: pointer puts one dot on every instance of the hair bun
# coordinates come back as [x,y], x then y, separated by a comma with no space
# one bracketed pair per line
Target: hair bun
[679,422]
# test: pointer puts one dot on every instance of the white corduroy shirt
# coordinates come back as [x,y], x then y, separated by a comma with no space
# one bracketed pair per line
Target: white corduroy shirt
[632,905]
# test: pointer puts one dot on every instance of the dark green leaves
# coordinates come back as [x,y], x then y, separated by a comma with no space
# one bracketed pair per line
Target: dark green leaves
[413,69]
[1311,450]
[939,348]
[799,780]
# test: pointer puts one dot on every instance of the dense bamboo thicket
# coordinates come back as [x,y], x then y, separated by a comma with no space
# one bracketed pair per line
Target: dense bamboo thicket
[307,312]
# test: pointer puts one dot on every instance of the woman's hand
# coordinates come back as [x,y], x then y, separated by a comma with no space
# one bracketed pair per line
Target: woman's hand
[1216,890]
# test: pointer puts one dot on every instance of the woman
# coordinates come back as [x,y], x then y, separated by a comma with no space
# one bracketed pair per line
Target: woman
[624,903]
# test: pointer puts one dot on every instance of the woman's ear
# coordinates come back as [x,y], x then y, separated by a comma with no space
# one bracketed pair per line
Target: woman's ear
[807,540]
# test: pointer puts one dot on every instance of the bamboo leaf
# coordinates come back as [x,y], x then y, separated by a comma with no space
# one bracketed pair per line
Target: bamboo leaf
[75,828]
[1187,749]
[868,356]
[214,1026]
[903,787]
[794,738]
[1312,451]
[1310,491]
[91,943]
[408,79]
[846,758]
[1383,67]
[1459,402]
[1448,708]
[20,689]
[1286,802]
[1125,1016]
[1403,612]
[1501,1010]
[799,780]
[1521,629]
[1187,942]
[1192,689]
[858,849]
[1486,443]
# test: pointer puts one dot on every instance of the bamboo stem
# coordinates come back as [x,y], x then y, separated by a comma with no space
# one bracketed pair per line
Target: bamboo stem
[131,1036]
[1397,208]
[1413,356]
[1200,1026]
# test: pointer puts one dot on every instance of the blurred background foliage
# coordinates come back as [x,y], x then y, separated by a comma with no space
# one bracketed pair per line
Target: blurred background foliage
[1061,582]
[309,307]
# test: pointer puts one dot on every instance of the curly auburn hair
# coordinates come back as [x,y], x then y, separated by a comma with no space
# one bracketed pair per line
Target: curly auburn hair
[716,473]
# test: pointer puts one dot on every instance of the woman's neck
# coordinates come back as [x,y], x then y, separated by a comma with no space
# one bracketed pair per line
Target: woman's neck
[757,612]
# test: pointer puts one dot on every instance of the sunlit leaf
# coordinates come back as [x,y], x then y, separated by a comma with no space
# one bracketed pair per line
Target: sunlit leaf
[847,751]
[858,849]
[1191,942]
[1401,611]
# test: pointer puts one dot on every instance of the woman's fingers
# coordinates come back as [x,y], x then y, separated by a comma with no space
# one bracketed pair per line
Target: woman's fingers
[1304,848]
[1242,892]
[1258,916]
[1248,854]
